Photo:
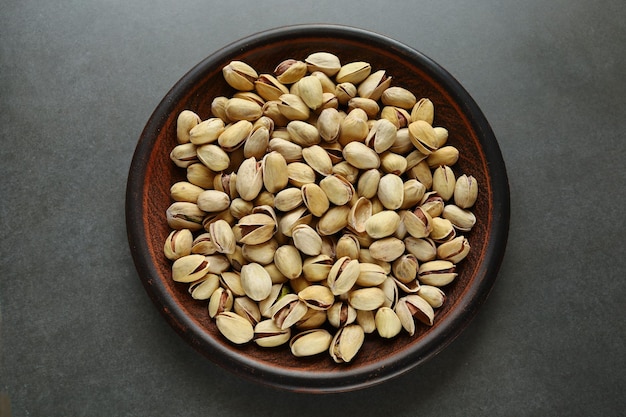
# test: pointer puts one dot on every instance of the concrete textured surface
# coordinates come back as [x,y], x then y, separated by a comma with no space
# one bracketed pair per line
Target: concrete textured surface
[80,337]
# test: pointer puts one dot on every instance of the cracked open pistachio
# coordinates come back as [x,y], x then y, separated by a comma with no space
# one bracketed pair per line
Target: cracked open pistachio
[318,194]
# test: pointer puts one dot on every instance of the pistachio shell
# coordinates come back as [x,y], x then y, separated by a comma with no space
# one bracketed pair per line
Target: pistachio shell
[306,239]
[234,327]
[268,334]
[338,190]
[353,72]
[186,121]
[324,62]
[206,131]
[213,157]
[178,244]
[184,215]
[360,156]
[189,268]
[374,85]
[288,199]
[318,159]
[343,275]
[437,273]
[387,249]
[288,261]
[387,323]
[315,199]
[184,155]
[382,224]
[391,191]
[213,200]
[310,342]
[347,343]
[243,109]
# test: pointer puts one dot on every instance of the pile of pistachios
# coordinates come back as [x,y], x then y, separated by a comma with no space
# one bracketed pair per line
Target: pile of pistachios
[320,205]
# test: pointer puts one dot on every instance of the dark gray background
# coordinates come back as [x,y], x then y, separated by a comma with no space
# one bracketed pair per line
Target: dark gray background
[78,81]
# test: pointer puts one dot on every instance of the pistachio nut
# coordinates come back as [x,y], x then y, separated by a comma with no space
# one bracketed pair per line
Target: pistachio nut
[234,327]
[185,215]
[278,291]
[288,221]
[271,110]
[213,201]
[341,314]
[367,185]
[186,121]
[405,268]
[442,231]
[387,323]
[411,307]
[275,274]
[288,310]
[462,219]
[387,249]
[288,261]
[423,136]
[437,273]
[368,105]
[444,182]
[360,156]
[381,136]
[226,183]
[222,236]
[256,282]
[328,85]
[454,250]
[203,245]
[343,275]
[316,268]
[374,85]
[231,280]
[366,319]
[218,108]
[290,151]
[200,175]
[446,155]
[398,97]
[403,145]
[306,239]
[290,70]
[313,319]
[421,172]
[218,263]
[240,75]
[346,343]
[292,107]
[465,191]
[288,199]
[311,92]
[203,288]
[240,207]
[396,115]
[317,297]
[409,287]
[328,124]
[335,219]
[300,173]
[353,72]
[315,199]
[303,133]
[424,110]
[178,244]
[263,253]
[433,295]
[256,228]
[310,342]
[233,136]
[184,155]
[275,175]
[213,157]
[390,289]
[392,163]
[338,189]
[206,131]
[354,127]
[432,203]
[370,274]
[345,92]
[189,268]
[268,87]
[218,215]
[268,334]
[257,143]
[369,298]
[382,224]
[221,300]
[348,245]
[324,62]
[391,191]
[318,159]
[243,109]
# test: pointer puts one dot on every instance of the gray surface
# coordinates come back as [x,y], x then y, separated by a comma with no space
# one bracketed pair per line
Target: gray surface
[79,336]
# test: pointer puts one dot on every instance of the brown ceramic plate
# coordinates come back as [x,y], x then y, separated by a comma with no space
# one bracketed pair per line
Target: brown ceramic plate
[152,173]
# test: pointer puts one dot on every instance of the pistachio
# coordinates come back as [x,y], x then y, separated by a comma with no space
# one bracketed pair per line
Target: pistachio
[396,115]
[255,281]
[213,201]
[310,342]
[366,298]
[218,263]
[335,219]
[465,191]
[432,203]
[293,218]
[232,281]
[446,155]
[398,97]
[370,275]
[265,305]
[390,288]
[250,176]
[290,70]
[423,110]
[268,334]
[206,131]
[405,268]
[360,156]
[318,159]
[222,236]
[263,253]
[186,121]
[444,182]
[438,273]
[403,145]
[433,295]
[313,319]
[345,92]
[343,275]
[204,287]
[218,108]
[213,157]
[341,314]
[243,109]
[257,143]
[240,208]
[366,319]
[391,191]
[288,199]
[367,185]
[423,136]
[316,268]
[234,327]
[353,127]
[317,297]
[348,245]
[256,228]
[421,172]
[462,219]
[185,215]
[346,343]
[315,199]
[184,155]
[268,87]
[311,92]
[189,268]
[328,124]
[290,151]
[178,244]
[234,136]
[293,107]
[442,231]
[288,261]
[454,250]
[338,190]
[360,213]
[382,224]
[374,85]
[412,307]
[306,239]
[200,175]
[387,323]
[275,175]
[275,274]
[240,75]
[221,300]
[392,163]
[442,135]
[413,191]
[324,62]
[387,249]
[368,105]
[271,109]
[381,136]
[303,133]
[300,173]
[288,310]
[354,72]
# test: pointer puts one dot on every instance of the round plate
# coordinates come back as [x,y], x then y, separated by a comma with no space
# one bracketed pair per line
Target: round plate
[152,173]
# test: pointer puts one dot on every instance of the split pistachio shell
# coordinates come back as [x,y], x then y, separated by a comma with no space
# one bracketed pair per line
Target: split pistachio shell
[221,300]
[292,107]
[353,72]
[346,170]
[381,136]
[234,327]
[240,75]
[316,268]
[204,287]
[462,219]
[338,190]
[317,297]
[315,199]
[359,214]
[256,228]
[288,310]
[268,334]
[343,275]
[423,136]
[347,343]
[374,85]
[423,110]
[206,131]
[444,182]
[232,281]
[454,250]
[290,70]
[310,342]
[222,236]
[178,244]
[433,295]
[185,215]
[318,159]
[437,273]
[443,230]
[341,314]
[189,268]
[184,155]
[268,87]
